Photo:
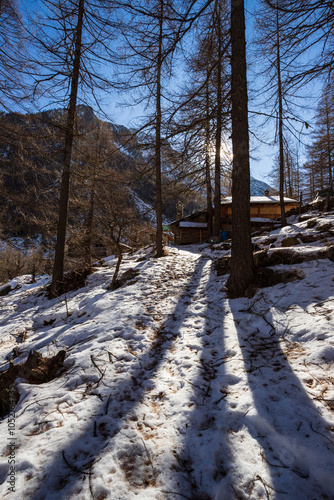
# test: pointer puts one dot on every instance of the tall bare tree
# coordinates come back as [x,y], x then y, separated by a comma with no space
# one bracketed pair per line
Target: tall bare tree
[151,37]
[242,265]
[205,108]
[72,43]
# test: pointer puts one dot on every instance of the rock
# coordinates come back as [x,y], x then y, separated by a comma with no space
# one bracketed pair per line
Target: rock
[269,241]
[322,228]
[35,370]
[269,277]
[309,238]
[305,217]
[330,253]
[4,290]
[261,258]
[223,265]
[312,222]
[290,241]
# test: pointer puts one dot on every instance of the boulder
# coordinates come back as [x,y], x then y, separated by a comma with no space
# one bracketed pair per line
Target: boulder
[290,241]
[312,222]
[223,265]
[322,228]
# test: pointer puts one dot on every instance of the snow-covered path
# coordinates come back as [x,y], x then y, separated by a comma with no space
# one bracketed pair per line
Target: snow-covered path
[171,390]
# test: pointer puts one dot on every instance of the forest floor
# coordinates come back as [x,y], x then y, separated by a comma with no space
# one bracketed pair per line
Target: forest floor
[170,389]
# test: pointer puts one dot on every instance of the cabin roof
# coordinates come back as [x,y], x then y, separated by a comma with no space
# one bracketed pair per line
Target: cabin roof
[260,199]
[189,218]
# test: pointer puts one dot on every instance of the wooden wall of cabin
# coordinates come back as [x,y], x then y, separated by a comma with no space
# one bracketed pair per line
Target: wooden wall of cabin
[188,235]
[260,210]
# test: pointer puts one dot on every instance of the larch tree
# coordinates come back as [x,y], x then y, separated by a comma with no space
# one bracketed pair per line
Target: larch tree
[204,108]
[320,151]
[150,42]
[279,60]
[222,44]
[13,57]
[310,32]
[242,264]
[280,118]
[153,33]
[72,39]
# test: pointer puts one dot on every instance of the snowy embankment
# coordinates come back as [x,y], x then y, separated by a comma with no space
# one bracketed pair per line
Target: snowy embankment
[171,390]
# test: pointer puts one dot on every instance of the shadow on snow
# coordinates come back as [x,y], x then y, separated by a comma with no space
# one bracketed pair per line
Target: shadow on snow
[296,442]
[205,455]
[77,457]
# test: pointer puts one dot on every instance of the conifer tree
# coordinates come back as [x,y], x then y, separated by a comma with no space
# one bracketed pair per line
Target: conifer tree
[242,265]
[71,41]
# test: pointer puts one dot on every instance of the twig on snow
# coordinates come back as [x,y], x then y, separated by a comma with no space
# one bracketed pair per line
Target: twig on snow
[148,455]
[73,467]
[321,434]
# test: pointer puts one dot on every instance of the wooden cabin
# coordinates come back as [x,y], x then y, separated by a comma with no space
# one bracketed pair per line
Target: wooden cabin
[191,229]
[261,207]
[264,210]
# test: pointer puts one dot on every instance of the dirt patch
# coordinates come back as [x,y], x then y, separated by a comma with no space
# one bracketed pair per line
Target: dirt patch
[73,280]
[265,277]
[35,370]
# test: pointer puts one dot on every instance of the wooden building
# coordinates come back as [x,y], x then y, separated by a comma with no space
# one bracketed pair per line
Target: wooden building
[262,207]
[264,210]
[191,229]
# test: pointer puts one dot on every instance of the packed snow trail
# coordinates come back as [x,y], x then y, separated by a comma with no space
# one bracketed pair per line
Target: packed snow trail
[111,402]
[171,390]
[156,392]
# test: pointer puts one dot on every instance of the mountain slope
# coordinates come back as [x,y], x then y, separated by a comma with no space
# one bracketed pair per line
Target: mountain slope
[31,149]
[257,187]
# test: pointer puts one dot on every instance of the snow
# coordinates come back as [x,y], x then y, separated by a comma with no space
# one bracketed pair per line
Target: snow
[193,224]
[172,390]
[260,199]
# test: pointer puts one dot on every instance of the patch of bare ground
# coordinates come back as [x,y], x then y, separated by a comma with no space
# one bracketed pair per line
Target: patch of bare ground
[35,370]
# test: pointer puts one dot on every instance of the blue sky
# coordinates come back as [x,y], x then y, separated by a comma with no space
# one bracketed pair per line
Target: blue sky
[262,154]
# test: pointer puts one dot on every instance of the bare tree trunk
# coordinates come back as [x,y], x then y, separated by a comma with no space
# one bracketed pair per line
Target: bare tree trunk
[280,122]
[58,266]
[322,185]
[208,163]
[116,241]
[329,149]
[242,265]
[329,194]
[288,171]
[158,140]
[89,222]
[217,197]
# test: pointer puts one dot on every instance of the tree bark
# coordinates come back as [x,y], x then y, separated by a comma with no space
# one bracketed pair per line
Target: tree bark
[158,140]
[58,266]
[89,221]
[242,265]
[280,122]
[207,161]
[329,145]
[217,196]
[116,241]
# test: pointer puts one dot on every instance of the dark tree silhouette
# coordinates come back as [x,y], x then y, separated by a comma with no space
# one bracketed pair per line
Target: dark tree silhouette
[242,265]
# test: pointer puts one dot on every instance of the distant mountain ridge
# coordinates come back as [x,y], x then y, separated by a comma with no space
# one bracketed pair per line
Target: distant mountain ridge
[31,149]
[257,187]
[31,178]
